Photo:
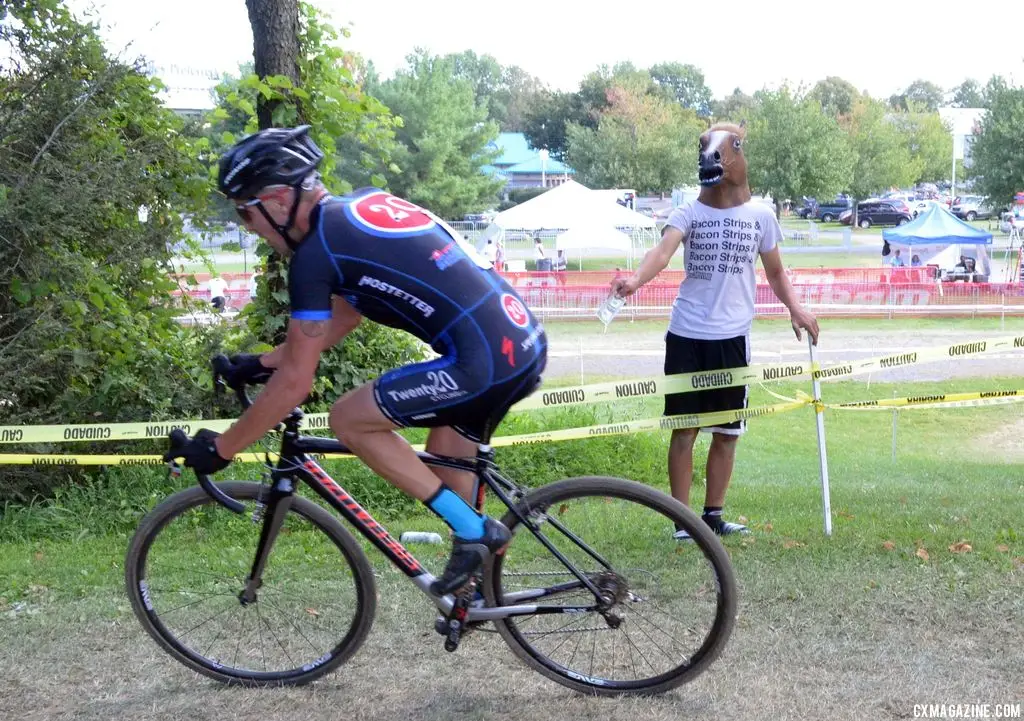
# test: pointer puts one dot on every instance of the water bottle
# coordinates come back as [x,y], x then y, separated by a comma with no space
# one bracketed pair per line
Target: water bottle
[610,308]
[420,537]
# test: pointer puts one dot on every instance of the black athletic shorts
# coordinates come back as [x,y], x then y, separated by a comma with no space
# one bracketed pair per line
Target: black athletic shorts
[456,392]
[689,355]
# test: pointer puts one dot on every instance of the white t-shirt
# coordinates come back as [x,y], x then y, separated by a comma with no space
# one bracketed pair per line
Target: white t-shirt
[491,252]
[716,298]
[217,287]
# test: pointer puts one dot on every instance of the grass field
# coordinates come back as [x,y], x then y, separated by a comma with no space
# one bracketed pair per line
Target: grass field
[916,598]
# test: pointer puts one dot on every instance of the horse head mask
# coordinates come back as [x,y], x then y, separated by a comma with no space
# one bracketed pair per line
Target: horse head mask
[722,167]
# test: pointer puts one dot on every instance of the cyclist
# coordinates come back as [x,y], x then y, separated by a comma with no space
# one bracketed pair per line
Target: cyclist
[370,254]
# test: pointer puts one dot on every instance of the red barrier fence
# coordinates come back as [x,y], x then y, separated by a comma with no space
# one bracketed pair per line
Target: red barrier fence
[830,291]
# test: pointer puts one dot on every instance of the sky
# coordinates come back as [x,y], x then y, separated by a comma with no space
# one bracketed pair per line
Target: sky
[879,46]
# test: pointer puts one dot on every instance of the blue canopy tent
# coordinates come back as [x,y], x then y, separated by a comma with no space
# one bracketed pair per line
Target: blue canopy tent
[939,238]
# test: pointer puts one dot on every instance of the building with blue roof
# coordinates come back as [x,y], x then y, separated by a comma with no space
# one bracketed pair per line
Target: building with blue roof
[524,167]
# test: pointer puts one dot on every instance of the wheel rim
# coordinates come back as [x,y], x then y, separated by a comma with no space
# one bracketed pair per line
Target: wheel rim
[670,622]
[298,618]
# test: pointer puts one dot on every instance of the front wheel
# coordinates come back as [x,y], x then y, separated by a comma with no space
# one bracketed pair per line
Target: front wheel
[190,558]
[865,223]
[826,218]
[668,606]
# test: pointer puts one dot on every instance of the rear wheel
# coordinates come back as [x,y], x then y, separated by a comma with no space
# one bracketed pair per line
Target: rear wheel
[827,217]
[971,215]
[668,605]
[190,558]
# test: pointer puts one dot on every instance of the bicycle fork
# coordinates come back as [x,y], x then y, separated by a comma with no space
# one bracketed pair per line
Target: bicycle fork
[276,508]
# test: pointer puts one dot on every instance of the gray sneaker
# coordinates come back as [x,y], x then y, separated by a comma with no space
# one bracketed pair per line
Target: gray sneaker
[725,528]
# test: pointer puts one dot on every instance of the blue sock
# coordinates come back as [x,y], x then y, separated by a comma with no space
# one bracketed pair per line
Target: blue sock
[466,522]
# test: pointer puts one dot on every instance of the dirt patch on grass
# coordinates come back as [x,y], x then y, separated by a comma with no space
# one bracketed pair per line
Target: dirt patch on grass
[824,655]
[1004,443]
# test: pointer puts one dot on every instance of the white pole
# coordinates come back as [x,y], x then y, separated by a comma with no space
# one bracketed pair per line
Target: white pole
[819,414]
[952,185]
[895,411]
[581,356]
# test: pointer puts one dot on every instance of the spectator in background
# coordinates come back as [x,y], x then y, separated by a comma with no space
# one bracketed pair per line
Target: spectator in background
[253,286]
[896,261]
[560,263]
[218,292]
[499,256]
[915,261]
[490,251]
[538,249]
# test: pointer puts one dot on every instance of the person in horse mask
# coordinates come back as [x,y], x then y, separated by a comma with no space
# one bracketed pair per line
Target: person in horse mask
[723,233]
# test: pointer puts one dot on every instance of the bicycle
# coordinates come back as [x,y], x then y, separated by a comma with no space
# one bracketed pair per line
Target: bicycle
[546,575]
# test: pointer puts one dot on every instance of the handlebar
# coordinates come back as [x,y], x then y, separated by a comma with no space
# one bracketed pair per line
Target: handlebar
[179,439]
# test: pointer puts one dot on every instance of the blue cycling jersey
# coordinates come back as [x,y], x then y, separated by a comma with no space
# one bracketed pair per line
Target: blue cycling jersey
[401,266]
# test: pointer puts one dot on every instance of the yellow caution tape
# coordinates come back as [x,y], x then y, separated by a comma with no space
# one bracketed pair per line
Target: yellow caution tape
[560,397]
[568,434]
[663,385]
[701,420]
[957,351]
[940,400]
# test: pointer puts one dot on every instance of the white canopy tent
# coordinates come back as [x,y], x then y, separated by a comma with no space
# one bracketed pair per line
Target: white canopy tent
[584,237]
[571,206]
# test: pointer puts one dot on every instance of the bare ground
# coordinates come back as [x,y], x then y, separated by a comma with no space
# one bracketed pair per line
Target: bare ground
[801,654]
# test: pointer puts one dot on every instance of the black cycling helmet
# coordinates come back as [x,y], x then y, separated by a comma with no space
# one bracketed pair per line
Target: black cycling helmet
[275,156]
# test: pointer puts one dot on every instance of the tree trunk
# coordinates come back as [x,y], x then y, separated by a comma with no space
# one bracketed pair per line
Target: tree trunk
[275,50]
[275,35]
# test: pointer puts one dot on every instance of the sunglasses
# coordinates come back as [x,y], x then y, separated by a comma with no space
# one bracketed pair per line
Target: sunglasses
[245,209]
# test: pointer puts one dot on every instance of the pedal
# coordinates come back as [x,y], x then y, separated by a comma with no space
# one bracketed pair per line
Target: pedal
[454,624]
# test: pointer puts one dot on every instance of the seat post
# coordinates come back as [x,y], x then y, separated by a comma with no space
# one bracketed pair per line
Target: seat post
[484,460]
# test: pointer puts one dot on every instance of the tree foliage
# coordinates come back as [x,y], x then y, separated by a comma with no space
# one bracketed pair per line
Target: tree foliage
[87,323]
[922,94]
[683,84]
[882,157]
[969,94]
[642,141]
[999,148]
[443,138]
[930,143]
[793,149]
[835,95]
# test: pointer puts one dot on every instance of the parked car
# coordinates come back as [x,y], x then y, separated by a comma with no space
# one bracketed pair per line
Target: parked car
[973,207]
[829,211]
[878,212]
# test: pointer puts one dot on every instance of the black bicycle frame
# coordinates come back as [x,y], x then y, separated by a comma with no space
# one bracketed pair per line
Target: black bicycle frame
[297,461]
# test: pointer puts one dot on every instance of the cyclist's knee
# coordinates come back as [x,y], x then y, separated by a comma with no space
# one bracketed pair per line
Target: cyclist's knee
[355,413]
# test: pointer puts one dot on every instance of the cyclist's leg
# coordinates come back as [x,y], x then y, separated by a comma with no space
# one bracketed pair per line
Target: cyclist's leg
[446,441]
[357,421]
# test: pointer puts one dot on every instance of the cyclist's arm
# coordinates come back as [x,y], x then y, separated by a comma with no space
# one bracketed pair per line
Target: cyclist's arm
[287,388]
[344,319]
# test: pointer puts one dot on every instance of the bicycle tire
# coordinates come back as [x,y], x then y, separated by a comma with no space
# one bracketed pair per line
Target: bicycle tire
[709,545]
[177,504]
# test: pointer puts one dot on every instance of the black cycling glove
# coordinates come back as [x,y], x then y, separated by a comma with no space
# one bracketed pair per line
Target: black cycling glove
[246,368]
[201,454]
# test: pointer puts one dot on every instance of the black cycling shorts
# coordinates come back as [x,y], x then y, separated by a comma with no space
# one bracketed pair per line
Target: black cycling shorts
[447,392]
[689,355]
